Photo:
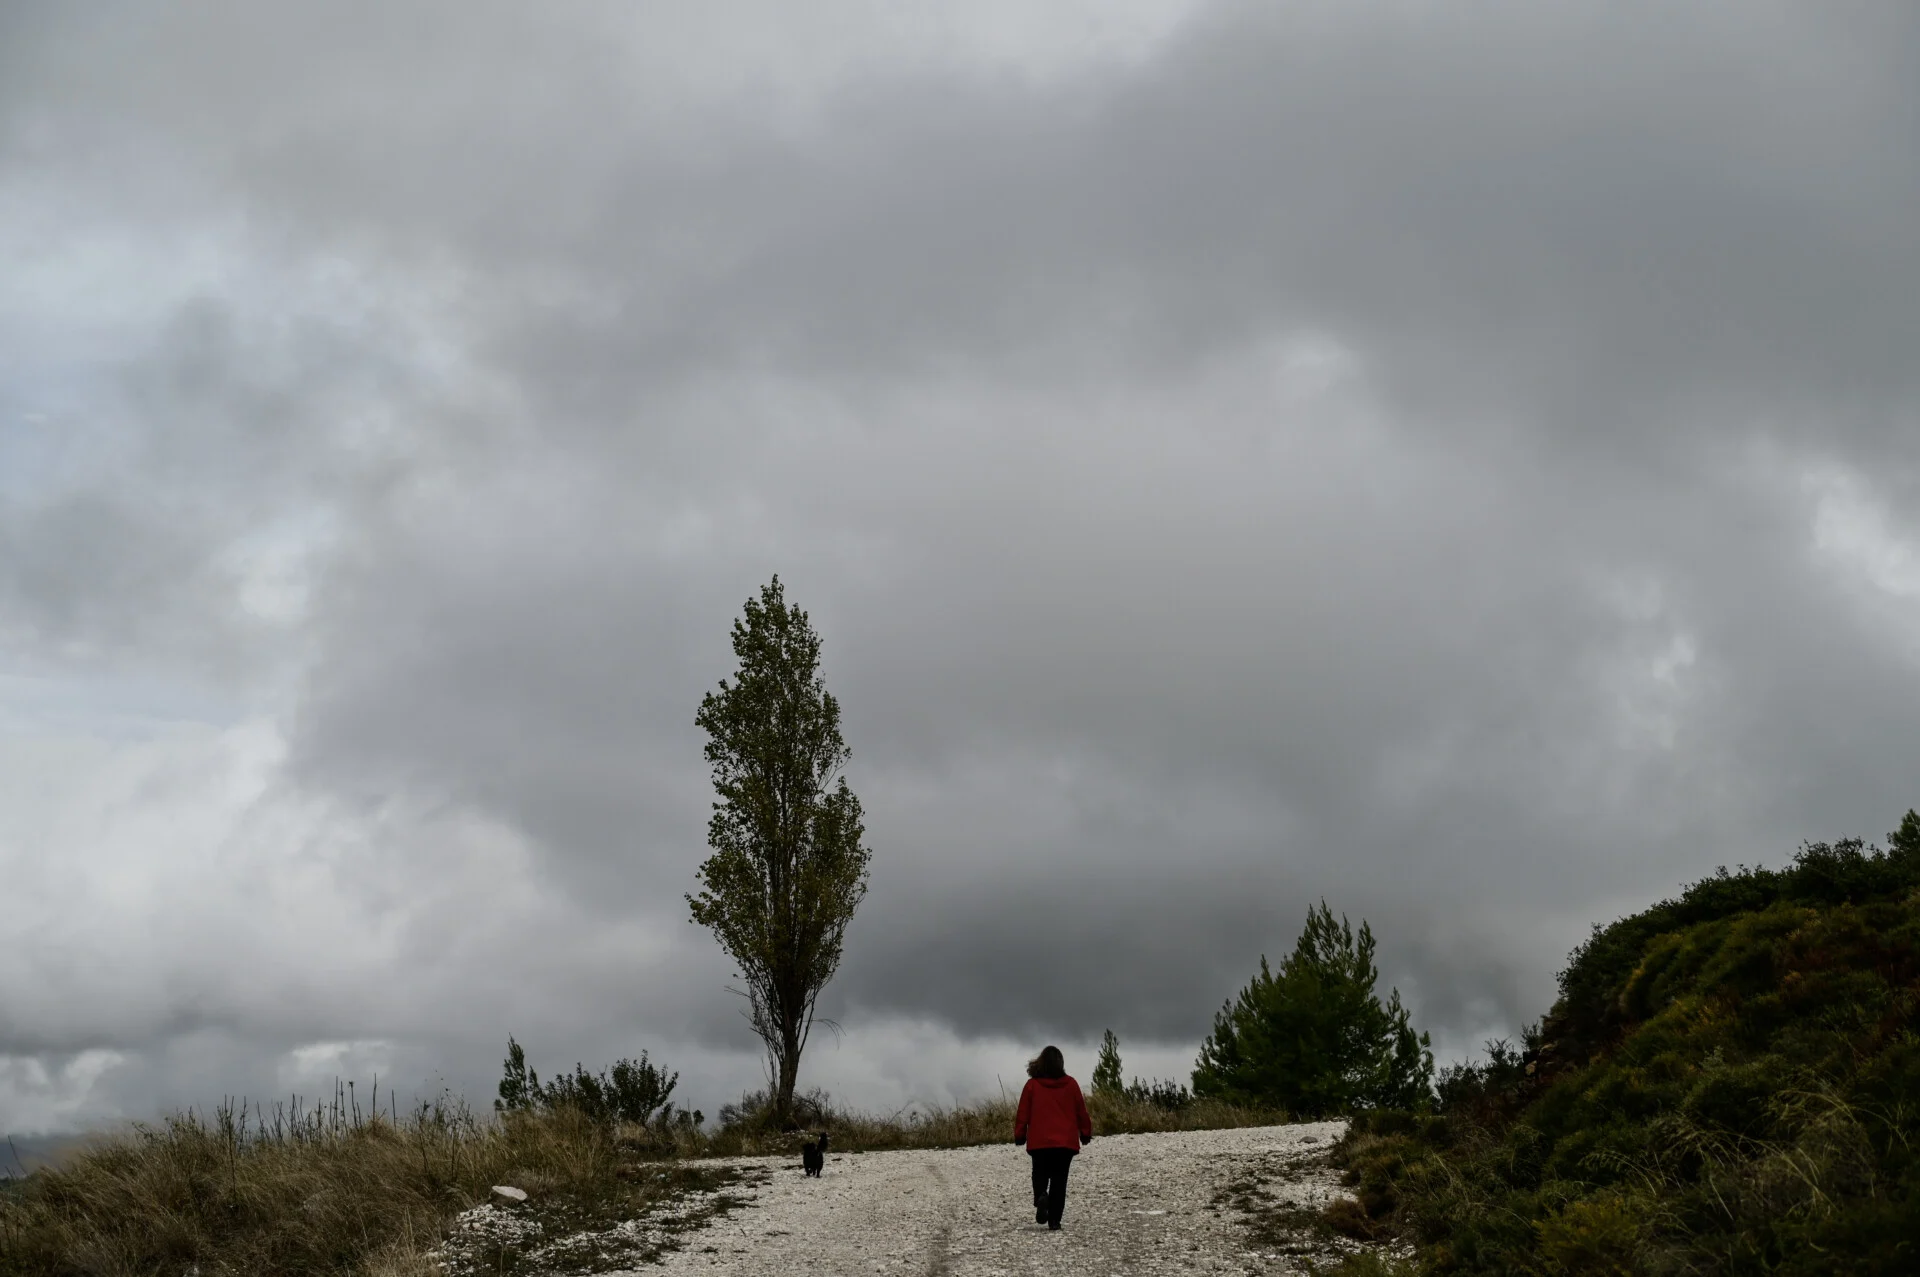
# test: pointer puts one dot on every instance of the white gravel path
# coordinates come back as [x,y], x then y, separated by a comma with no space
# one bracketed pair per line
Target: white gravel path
[1135,1204]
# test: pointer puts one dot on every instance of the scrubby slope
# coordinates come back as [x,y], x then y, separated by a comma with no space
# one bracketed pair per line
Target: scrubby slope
[1730,1082]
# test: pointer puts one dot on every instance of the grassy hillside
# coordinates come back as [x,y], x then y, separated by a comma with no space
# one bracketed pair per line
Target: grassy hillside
[1728,1083]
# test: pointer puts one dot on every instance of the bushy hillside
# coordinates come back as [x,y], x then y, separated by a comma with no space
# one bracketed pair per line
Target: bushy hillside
[1728,1083]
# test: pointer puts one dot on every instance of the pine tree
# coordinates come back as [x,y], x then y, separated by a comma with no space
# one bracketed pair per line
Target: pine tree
[519,1085]
[1106,1070]
[1904,842]
[1313,1038]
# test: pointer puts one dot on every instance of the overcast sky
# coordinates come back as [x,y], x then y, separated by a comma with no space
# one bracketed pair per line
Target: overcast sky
[1455,460]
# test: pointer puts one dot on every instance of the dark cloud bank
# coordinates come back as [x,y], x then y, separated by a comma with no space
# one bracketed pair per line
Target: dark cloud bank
[1452,462]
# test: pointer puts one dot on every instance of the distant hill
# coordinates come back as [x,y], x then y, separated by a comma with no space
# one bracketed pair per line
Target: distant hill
[20,1153]
[1728,1083]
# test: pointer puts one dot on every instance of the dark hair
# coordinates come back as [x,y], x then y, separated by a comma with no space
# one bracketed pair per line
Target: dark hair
[1049,1063]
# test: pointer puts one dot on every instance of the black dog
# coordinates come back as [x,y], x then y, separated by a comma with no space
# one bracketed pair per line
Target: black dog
[814,1156]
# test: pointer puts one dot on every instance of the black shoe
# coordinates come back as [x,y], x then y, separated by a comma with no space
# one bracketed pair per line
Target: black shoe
[1053,1225]
[1040,1215]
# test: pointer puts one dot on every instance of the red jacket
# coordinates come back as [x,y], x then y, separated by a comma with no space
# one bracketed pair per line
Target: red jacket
[1052,1114]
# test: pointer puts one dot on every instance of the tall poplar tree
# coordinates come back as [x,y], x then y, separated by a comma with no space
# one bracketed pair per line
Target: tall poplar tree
[787,869]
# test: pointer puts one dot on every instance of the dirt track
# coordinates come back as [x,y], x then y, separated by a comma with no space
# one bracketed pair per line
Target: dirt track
[1136,1204]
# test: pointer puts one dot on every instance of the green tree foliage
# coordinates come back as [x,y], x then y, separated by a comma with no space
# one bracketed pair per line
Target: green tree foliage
[519,1085]
[787,870]
[1161,1093]
[1170,1096]
[1903,844]
[1106,1070]
[631,1091]
[1313,1038]
[635,1091]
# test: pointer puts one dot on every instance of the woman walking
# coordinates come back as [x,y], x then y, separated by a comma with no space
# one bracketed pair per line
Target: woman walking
[1052,1122]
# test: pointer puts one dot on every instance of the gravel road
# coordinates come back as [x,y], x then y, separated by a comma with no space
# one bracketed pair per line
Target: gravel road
[1135,1204]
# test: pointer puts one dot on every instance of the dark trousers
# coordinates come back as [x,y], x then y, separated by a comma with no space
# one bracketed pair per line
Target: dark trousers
[1050,1167]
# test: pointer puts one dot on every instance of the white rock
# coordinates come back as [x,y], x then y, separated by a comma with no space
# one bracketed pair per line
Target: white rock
[510,1193]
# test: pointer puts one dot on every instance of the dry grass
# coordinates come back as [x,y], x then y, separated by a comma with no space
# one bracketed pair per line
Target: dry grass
[329,1192]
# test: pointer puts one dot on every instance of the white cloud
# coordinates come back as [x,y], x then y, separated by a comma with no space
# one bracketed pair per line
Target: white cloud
[38,1096]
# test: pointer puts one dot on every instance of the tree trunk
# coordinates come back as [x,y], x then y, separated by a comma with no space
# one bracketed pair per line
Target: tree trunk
[789,1075]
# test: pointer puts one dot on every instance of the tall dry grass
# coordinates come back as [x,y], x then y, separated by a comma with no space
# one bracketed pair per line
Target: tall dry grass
[329,1190]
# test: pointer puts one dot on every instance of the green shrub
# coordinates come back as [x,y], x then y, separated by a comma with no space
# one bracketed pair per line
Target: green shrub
[1725,1086]
[1159,1093]
[633,1091]
[1484,1086]
[1592,1235]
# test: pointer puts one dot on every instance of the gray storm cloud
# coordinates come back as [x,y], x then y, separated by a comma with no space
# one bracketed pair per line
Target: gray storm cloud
[1451,462]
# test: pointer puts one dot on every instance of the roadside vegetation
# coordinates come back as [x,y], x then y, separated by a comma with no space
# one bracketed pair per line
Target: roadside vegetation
[336,1188]
[1729,1082]
[959,1126]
